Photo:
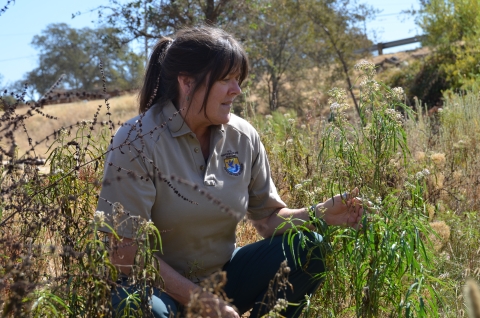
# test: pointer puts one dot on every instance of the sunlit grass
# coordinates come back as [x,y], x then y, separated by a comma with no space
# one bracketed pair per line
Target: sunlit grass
[419,244]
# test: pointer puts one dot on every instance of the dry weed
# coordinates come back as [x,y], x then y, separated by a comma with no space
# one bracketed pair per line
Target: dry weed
[122,109]
[441,235]
[471,293]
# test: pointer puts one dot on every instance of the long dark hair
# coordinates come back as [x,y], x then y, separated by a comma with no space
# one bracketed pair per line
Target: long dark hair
[202,52]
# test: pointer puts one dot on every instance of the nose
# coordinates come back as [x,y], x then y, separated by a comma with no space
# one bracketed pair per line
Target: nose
[235,88]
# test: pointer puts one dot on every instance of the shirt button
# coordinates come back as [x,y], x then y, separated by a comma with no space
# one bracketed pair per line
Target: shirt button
[202,167]
[196,149]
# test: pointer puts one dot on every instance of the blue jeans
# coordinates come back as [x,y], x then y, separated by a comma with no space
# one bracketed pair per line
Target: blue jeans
[249,273]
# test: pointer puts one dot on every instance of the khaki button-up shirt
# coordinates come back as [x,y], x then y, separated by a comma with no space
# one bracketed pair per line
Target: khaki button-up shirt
[156,170]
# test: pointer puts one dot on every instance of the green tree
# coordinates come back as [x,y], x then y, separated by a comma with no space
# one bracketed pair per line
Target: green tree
[286,39]
[452,28]
[275,36]
[151,19]
[5,98]
[283,38]
[77,53]
[337,36]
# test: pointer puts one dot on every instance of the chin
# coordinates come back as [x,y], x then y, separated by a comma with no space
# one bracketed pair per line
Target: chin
[224,120]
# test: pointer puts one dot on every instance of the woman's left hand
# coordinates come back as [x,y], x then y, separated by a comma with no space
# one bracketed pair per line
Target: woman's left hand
[343,210]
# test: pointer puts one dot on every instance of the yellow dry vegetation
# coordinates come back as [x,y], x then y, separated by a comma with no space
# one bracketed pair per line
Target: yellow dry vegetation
[38,127]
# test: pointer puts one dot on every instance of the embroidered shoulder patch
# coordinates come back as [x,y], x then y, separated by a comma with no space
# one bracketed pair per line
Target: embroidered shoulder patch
[231,163]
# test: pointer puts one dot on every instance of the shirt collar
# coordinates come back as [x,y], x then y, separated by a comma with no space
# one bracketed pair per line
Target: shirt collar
[177,125]
[174,120]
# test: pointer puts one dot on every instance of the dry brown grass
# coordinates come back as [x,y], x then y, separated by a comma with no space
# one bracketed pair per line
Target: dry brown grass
[38,127]
[441,235]
[246,234]
[471,294]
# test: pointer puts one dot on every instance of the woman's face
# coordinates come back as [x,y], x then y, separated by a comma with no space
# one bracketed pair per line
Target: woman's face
[219,103]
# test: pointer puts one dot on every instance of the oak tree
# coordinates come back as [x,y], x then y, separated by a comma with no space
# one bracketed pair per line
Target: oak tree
[77,53]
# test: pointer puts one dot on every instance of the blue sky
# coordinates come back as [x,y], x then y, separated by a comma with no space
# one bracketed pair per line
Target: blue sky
[26,18]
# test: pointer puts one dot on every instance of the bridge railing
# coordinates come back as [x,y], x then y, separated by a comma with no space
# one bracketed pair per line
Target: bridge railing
[380,46]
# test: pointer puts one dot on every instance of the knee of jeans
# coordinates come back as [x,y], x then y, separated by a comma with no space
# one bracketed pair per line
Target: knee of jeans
[163,306]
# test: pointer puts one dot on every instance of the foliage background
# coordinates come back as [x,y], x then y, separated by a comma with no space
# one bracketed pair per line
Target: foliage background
[420,241]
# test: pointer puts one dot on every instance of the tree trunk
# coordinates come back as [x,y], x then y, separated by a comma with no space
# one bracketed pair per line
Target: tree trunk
[275,84]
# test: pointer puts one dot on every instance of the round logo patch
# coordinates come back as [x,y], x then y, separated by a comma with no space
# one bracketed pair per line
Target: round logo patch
[231,163]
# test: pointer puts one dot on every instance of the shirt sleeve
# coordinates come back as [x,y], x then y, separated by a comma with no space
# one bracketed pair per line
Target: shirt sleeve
[263,197]
[128,180]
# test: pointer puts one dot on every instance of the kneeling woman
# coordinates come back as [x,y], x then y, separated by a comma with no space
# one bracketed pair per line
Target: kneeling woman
[186,129]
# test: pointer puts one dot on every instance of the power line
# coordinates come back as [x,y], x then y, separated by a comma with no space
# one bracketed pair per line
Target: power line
[390,14]
[14,34]
[17,58]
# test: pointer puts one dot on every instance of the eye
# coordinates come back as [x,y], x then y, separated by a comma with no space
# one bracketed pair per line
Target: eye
[231,76]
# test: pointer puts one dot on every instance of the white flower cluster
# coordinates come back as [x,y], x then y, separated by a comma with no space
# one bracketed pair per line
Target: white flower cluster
[84,123]
[298,186]
[421,174]
[337,95]
[370,83]
[335,106]
[64,132]
[394,115]
[367,68]
[280,305]
[398,93]
[99,217]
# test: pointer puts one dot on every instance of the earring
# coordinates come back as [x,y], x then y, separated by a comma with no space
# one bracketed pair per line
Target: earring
[188,98]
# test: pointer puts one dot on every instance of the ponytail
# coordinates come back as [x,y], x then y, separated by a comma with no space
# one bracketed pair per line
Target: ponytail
[150,92]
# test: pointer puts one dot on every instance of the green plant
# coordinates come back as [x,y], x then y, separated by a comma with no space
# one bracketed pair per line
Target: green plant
[384,268]
[413,168]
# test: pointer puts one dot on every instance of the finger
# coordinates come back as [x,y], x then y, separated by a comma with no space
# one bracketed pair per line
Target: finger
[366,204]
[359,225]
[355,219]
[349,195]
[355,223]
[358,209]
[354,192]
[357,200]
[355,203]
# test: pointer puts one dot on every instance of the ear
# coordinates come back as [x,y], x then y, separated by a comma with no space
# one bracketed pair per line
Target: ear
[185,83]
